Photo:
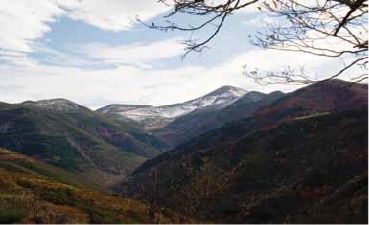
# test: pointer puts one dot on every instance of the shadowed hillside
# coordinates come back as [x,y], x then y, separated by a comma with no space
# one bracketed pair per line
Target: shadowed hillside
[306,171]
[300,159]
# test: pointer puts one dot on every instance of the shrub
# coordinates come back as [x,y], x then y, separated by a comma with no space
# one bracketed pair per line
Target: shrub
[11,211]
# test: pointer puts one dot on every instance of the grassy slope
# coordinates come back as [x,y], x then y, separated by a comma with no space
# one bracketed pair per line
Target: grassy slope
[84,142]
[35,192]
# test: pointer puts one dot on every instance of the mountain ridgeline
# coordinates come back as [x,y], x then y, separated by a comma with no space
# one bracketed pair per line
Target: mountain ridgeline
[178,123]
[300,159]
[156,117]
[230,156]
[199,121]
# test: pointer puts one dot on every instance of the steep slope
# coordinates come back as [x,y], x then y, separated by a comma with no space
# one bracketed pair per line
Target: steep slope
[75,138]
[300,159]
[328,96]
[190,125]
[152,117]
[34,192]
[308,170]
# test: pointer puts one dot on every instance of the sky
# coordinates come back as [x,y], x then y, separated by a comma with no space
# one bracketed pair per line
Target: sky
[95,53]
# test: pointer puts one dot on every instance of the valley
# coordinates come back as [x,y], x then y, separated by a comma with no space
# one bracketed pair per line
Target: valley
[230,156]
[184,112]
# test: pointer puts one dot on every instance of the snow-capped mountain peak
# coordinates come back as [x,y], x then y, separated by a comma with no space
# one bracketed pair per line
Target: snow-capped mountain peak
[224,95]
[229,89]
[158,116]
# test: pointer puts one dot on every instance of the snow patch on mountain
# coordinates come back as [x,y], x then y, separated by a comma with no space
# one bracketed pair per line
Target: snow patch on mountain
[158,116]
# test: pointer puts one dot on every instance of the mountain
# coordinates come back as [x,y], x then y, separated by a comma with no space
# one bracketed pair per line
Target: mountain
[59,104]
[265,178]
[153,117]
[321,97]
[72,137]
[35,192]
[190,125]
[299,159]
[314,100]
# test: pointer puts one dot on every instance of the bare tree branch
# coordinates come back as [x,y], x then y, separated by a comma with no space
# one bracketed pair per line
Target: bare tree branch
[303,26]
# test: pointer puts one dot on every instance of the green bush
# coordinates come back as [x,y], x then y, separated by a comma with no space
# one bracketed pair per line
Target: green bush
[11,212]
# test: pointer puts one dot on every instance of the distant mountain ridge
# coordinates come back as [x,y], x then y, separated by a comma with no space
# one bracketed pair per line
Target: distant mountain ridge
[69,135]
[230,156]
[154,117]
[187,126]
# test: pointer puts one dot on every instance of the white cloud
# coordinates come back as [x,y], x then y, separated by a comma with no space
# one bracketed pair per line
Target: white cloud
[260,20]
[134,53]
[113,15]
[132,85]
[23,21]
